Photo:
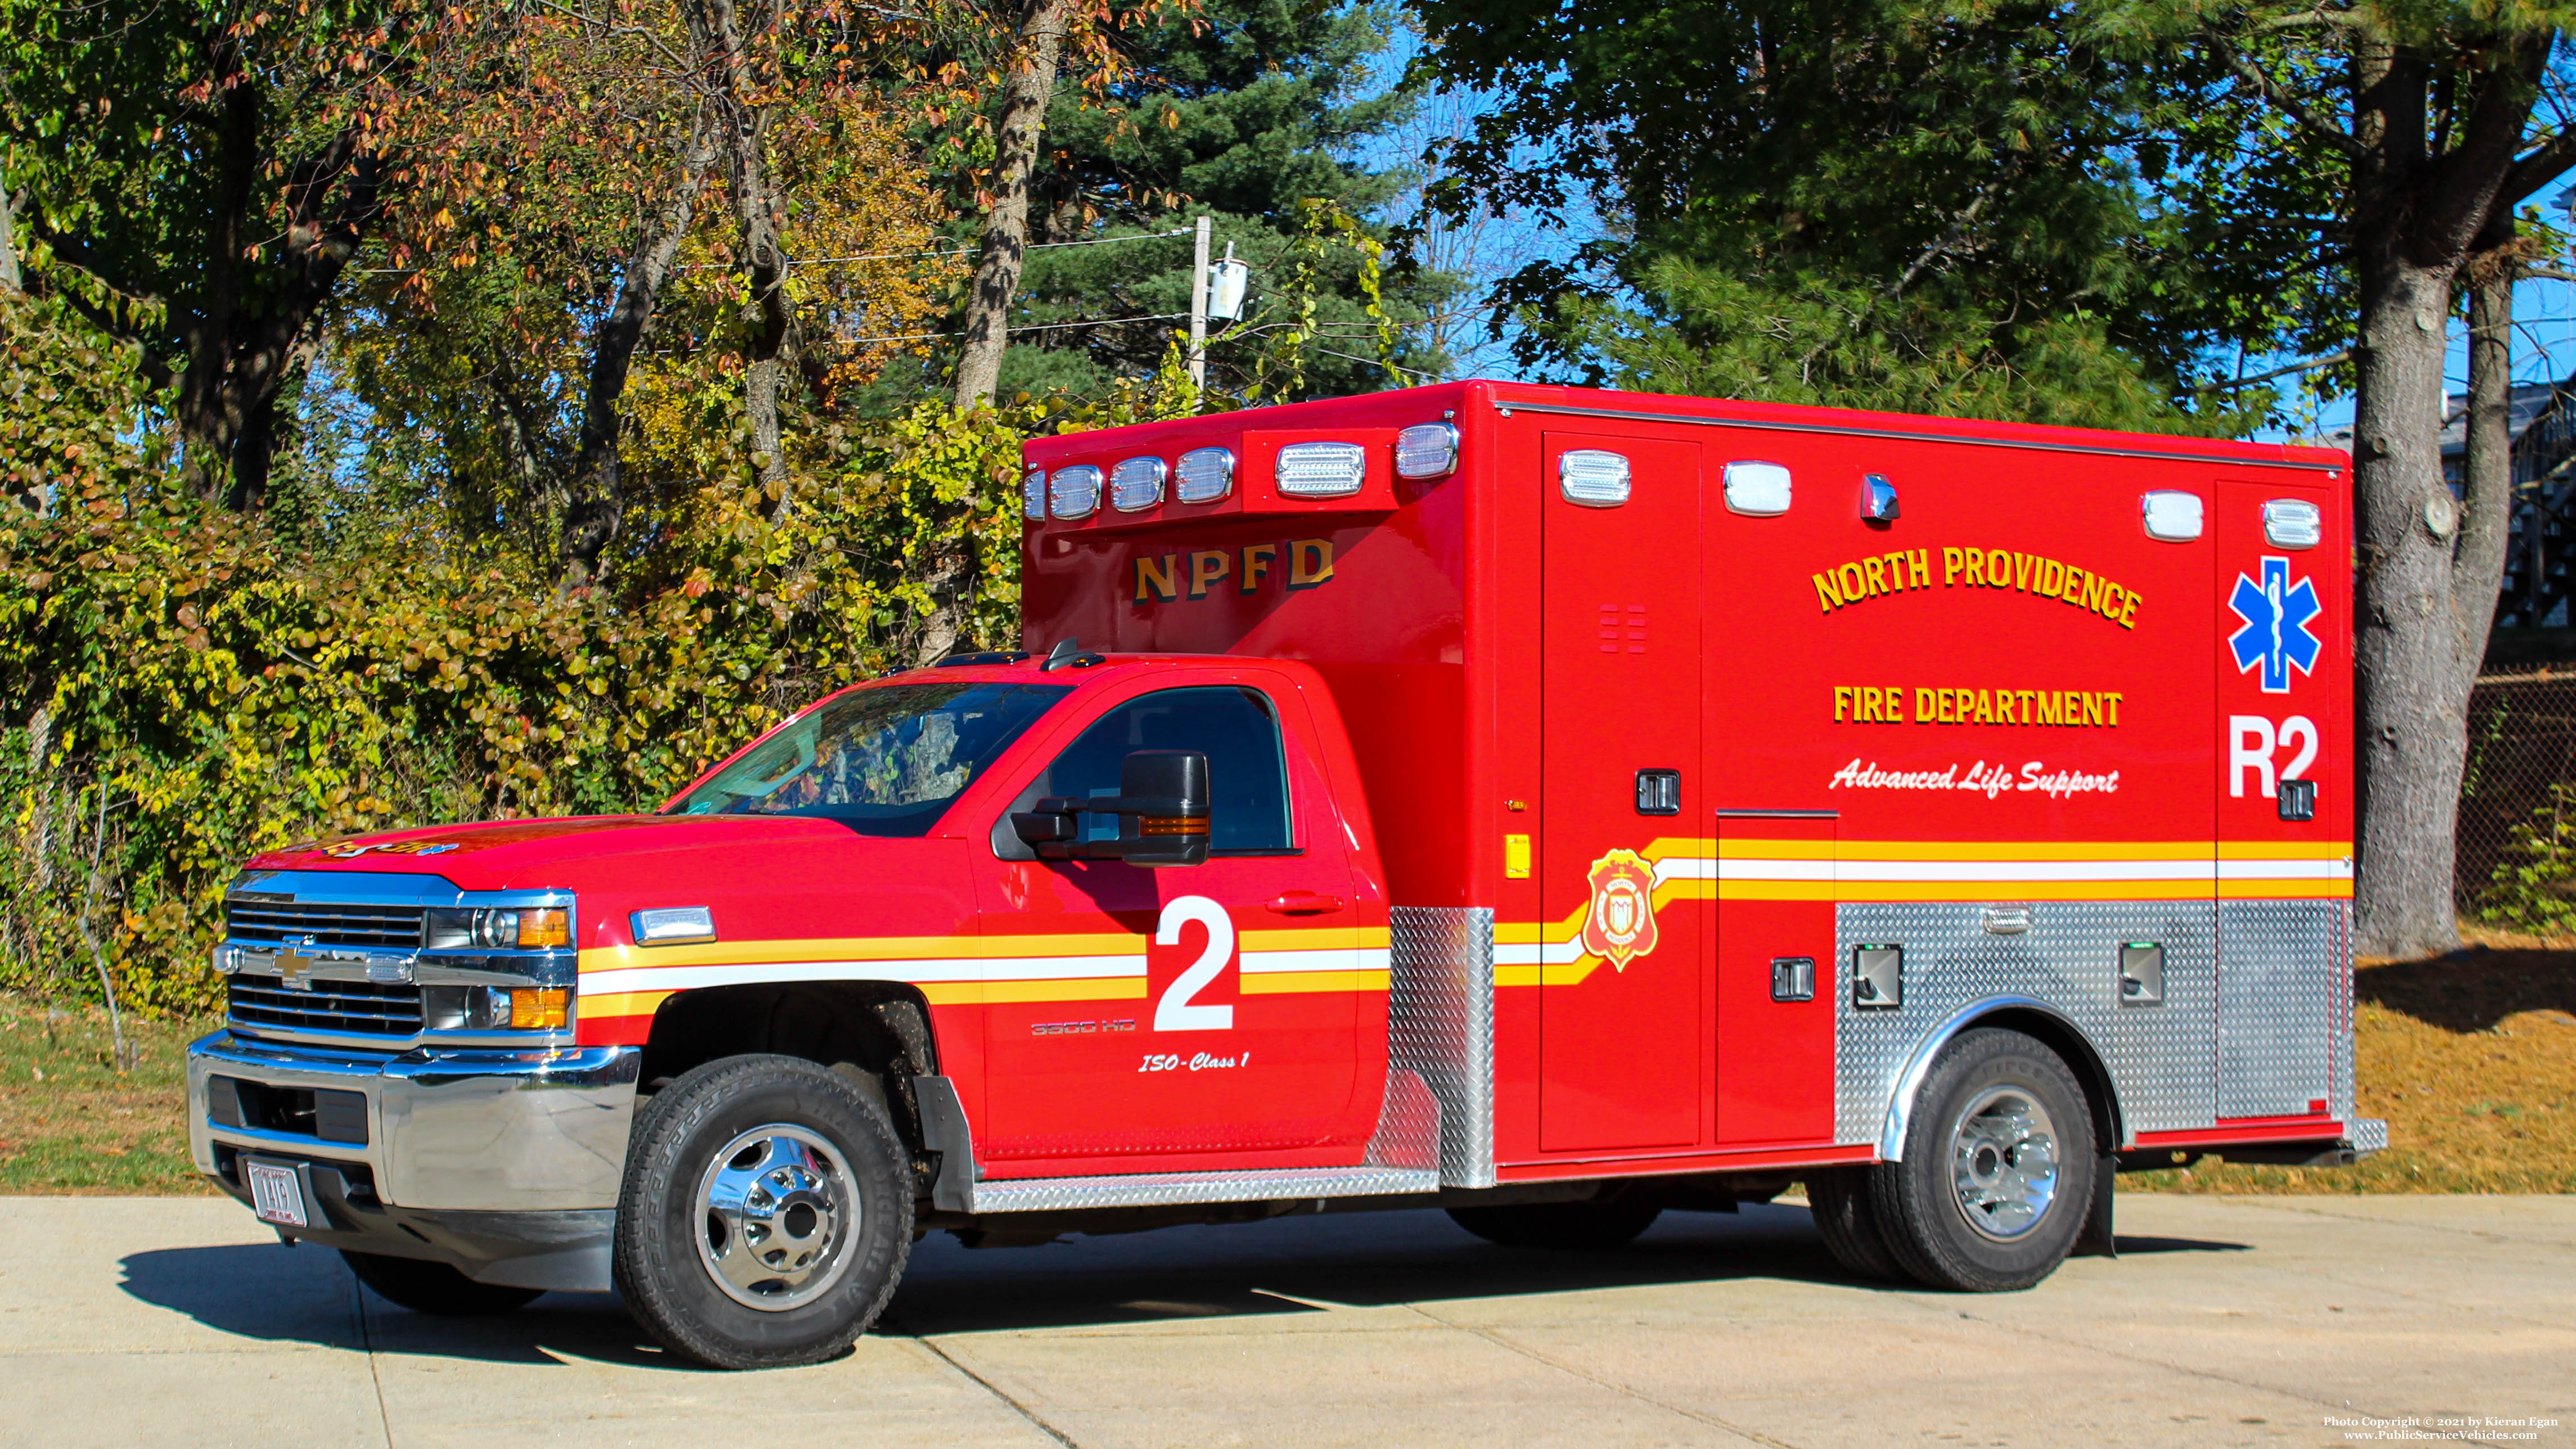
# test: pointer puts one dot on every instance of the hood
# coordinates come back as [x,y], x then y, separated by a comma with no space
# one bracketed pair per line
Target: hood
[561,853]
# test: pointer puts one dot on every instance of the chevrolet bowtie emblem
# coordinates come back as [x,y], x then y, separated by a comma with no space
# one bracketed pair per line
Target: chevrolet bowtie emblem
[294,968]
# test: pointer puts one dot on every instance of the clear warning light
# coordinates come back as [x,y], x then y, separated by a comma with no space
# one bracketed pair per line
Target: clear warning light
[1205,475]
[1033,493]
[1321,470]
[1074,492]
[1426,450]
[1592,478]
[1137,484]
[2293,523]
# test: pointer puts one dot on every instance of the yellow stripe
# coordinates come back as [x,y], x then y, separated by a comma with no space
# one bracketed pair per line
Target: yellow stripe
[2283,849]
[2297,890]
[1282,983]
[952,948]
[993,993]
[624,1003]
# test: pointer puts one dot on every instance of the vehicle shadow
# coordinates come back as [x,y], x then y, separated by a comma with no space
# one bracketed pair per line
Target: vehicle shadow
[2471,989]
[1291,1265]
[307,1295]
[1311,1263]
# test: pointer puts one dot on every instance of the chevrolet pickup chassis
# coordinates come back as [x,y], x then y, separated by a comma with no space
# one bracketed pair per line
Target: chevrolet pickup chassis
[1554,806]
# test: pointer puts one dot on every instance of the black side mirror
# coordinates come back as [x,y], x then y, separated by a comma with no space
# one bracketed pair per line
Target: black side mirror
[1165,790]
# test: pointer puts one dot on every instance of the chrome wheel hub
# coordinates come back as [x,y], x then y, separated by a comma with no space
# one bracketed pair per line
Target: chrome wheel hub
[2003,1156]
[776,1212]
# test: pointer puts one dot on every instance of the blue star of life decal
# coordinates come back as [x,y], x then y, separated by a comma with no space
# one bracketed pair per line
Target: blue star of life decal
[2276,634]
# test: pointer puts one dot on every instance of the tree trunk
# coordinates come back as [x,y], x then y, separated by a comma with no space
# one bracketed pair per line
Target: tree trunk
[768,312]
[595,505]
[1031,87]
[2412,735]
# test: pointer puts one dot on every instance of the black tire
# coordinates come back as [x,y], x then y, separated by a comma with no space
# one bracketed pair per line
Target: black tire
[1594,1226]
[757,1291]
[2013,1233]
[435,1288]
[1847,1218]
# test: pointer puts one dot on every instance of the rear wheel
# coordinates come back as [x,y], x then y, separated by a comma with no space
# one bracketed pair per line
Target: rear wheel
[1564,1226]
[1848,1220]
[435,1288]
[767,1213]
[1998,1171]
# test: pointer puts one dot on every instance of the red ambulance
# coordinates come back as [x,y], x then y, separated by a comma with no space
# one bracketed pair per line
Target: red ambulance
[1552,805]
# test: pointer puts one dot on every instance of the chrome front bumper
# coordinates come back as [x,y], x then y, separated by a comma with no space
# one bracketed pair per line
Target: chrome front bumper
[469,1157]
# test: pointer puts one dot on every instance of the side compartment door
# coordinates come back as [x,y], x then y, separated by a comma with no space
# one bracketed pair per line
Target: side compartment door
[1622,1004]
[1775,977]
[2284,613]
[1182,1011]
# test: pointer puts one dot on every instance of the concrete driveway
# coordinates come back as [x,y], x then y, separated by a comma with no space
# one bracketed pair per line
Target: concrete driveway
[2225,1321]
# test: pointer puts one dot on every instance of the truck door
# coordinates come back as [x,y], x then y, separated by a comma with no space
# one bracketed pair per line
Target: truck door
[1622,1005]
[2285,793]
[1184,1011]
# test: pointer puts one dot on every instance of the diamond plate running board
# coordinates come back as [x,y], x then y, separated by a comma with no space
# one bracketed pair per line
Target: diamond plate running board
[1156,1189]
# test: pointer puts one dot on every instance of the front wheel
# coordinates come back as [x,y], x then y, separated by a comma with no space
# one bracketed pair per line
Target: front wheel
[766,1213]
[1997,1178]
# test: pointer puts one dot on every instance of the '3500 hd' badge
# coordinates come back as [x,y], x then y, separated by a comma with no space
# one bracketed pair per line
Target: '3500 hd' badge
[1621,924]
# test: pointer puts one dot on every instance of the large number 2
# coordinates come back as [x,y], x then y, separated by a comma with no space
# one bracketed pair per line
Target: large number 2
[1176,1012]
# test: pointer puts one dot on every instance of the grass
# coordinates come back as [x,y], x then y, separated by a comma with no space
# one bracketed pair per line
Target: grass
[2471,1057]
[70,1122]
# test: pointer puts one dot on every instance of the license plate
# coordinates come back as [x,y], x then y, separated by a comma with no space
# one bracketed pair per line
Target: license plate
[275,1194]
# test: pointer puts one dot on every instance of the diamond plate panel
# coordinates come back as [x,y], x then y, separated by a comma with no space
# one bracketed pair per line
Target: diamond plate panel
[1159,1189]
[1408,1124]
[1440,1025]
[2162,1059]
[2284,1006]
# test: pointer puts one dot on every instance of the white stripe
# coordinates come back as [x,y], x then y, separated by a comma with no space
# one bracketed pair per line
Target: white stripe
[1563,953]
[1331,958]
[2002,870]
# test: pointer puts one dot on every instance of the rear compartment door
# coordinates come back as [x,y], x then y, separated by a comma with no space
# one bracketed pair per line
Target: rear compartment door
[1622,998]
[2283,616]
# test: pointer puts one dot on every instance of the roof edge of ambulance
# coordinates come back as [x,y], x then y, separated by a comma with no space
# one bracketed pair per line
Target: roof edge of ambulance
[1424,404]
[1109,664]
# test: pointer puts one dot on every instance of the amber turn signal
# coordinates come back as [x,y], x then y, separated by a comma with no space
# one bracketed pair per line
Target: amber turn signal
[552,927]
[540,1008]
[1171,825]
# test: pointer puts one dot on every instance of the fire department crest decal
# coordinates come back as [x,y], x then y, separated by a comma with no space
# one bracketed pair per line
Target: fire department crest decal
[1621,924]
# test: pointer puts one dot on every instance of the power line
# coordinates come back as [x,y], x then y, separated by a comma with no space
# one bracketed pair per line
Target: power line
[969,251]
[1015,331]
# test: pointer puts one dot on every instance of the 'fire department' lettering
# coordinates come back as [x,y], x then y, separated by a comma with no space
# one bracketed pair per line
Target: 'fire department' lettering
[2063,708]
[1166,578]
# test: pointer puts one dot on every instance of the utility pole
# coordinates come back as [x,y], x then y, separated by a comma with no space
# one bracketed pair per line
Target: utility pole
[1199,309]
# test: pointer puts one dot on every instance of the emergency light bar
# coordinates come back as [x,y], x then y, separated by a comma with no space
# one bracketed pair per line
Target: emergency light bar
[1137,484]
[1205,475]
[1074,492]
[1321,470]
[1592,478]
[2293,523]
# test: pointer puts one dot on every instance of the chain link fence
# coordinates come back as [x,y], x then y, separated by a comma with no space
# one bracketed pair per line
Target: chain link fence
[2517,831]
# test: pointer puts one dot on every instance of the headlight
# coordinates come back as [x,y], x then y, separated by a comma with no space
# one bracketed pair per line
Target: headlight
[497,1008]
[491,929]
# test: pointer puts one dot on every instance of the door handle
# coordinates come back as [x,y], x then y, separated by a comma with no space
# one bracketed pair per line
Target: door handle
[1304,903]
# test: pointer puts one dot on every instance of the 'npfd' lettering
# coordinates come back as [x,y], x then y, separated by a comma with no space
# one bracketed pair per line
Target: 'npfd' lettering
[1302,563]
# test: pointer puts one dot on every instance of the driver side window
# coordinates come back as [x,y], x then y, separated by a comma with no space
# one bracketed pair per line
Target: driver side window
[1236,728]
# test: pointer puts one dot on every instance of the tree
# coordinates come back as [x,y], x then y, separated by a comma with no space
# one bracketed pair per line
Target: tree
[194,178]
[1248,111]
[1856,202]
[2431,124]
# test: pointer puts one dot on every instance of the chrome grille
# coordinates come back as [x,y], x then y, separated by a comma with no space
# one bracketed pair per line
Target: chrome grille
[322,923]
[342,1008]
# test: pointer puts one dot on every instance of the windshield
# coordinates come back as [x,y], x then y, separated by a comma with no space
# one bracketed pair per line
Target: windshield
[882,761]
